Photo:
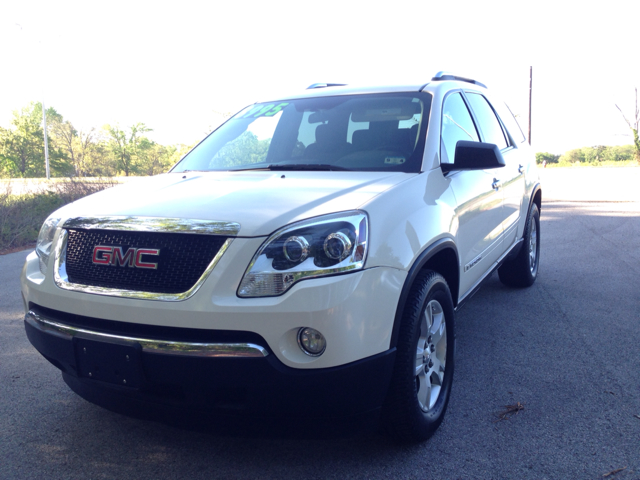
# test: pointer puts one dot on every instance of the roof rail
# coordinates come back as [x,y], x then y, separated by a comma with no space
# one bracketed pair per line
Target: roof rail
[324,85]
[450,76]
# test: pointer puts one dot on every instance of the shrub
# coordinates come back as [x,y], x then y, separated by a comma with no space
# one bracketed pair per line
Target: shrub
[546,157]
[598,155]
[22,215]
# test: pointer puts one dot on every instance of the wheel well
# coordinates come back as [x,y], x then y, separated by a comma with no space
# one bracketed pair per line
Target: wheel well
[537,199]
[440,257]
[445,262]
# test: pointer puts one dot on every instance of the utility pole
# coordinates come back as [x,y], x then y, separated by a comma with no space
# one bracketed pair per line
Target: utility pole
[46,143]
[530,93]
[44,121]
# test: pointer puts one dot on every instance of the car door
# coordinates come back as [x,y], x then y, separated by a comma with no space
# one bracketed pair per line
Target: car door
[479,201]
[511,178]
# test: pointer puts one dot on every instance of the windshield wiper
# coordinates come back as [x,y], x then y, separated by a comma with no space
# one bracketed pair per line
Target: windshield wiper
[245,169]
[306,166]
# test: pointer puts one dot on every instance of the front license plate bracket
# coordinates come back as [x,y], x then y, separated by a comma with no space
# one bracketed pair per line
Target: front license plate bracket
[112,363]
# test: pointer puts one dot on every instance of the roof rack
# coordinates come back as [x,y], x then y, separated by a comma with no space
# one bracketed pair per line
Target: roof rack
[324,85]
[450,76]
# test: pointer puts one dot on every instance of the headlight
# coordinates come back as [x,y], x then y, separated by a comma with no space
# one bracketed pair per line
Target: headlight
[45,241]
[318,247]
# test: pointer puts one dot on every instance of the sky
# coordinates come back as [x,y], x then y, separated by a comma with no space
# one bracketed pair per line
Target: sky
[179,67]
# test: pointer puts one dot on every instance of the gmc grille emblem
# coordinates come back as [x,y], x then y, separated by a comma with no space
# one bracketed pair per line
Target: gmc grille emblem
[116,256]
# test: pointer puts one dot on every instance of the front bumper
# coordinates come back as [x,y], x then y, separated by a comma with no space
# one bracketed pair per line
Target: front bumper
[355,311]
[232,373]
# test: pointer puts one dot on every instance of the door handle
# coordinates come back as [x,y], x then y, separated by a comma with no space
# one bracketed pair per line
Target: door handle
[496,184]
[520,169]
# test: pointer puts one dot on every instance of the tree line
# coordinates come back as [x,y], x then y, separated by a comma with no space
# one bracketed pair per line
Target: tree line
[590,155]
[601,153]
[112,150]
[105,152]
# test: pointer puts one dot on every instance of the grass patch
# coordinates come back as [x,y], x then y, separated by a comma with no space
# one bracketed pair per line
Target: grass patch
[21,215]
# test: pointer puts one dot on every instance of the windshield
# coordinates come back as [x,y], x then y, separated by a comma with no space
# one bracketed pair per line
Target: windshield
[369,132]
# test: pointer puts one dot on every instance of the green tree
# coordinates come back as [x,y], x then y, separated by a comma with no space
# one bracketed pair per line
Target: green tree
[595,154]
[106,152]
[22,147]
[81,148]
[245,149]
[155,158]
[128,147]
[180,151]
[99,160]
[573,156]
[619,153]
[634,128]
[546,157]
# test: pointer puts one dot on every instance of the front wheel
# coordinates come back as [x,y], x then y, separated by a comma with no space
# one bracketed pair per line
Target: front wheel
[522,271]
[423,372]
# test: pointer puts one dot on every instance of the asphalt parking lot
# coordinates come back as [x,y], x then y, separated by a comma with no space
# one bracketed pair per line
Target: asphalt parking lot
[565,349]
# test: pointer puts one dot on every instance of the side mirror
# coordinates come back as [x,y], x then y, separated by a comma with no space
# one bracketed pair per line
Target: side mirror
[475,156]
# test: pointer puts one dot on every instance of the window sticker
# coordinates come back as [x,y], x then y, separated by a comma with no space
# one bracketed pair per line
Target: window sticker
[264,110]
[394,160]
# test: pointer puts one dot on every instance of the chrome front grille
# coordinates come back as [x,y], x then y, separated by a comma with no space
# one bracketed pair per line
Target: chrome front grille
[139,257]
[181,259]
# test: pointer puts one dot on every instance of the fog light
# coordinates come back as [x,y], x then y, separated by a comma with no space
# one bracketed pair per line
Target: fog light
[311,341]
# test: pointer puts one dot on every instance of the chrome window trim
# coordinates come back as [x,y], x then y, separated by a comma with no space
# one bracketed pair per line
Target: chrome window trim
[146,224]
[154,224]
[149,345]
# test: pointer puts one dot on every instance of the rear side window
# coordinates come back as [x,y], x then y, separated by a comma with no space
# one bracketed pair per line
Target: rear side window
[489,124]
[457,125]
[510,122]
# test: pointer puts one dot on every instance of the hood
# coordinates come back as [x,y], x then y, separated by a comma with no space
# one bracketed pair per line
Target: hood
[260,201]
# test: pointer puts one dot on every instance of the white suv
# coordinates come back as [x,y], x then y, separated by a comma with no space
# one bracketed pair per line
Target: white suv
[305,260]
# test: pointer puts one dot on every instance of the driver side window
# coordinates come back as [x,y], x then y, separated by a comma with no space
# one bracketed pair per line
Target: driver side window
[457,124]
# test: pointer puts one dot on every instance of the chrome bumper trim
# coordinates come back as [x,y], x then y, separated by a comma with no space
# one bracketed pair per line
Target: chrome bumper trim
[243,350]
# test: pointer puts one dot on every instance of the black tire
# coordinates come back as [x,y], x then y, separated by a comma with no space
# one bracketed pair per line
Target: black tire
[522,271]
[413,410]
